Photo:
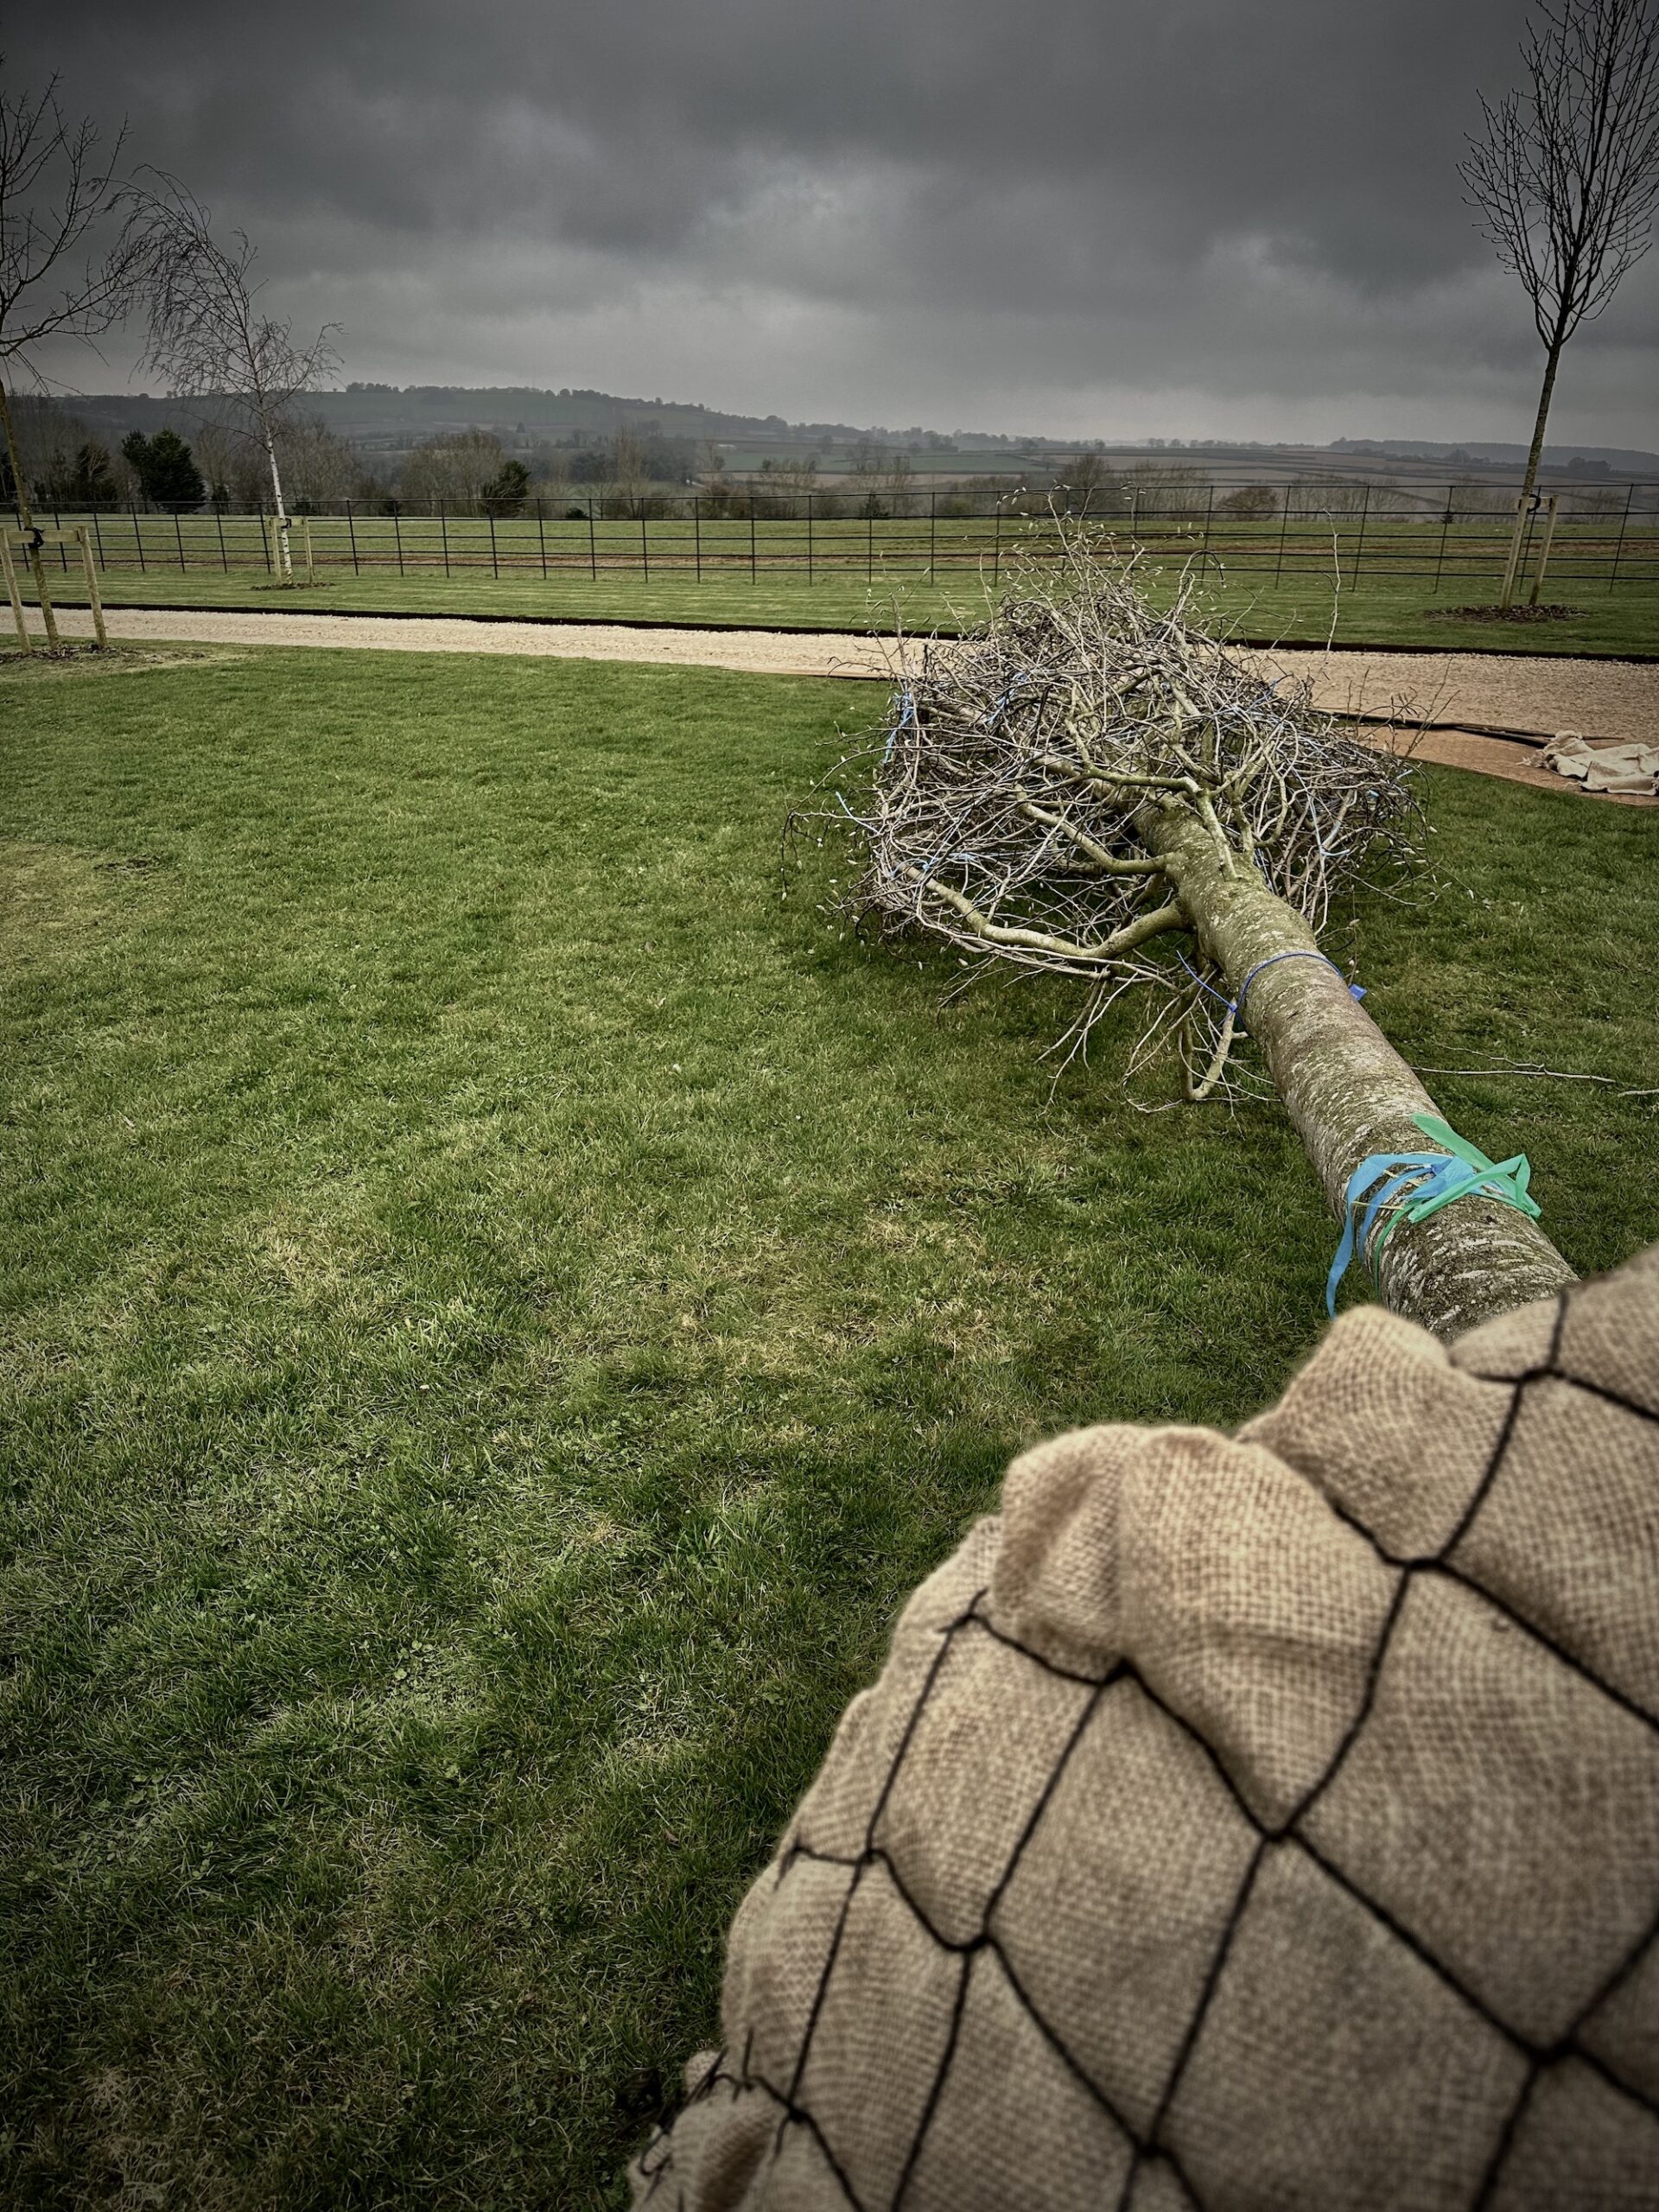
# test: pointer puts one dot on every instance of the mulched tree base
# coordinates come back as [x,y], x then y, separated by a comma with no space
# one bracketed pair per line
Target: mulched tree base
[1544,613]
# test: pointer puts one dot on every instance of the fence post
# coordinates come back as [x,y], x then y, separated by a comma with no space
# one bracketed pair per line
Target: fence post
[178,536]
[645,540]
[219,520]
[350,527]
[751,572]
[495,565]
[138,540]
[932,529]
[1623,525]
[809,537]
[443,532]
[397,539]
[1284,524]
[1359,549]
[697,529]
[996,539]
[98,536]
[869,541]
[540,534]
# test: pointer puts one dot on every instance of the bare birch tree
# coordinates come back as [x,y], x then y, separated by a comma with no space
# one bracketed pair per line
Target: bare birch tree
[1086,786]
[58,192]
[1566,174]
[209,336]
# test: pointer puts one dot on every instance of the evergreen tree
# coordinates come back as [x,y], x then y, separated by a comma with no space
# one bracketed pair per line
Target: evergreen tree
[167,473]
[506,492]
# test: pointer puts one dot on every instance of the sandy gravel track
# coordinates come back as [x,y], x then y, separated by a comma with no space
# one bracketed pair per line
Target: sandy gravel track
[1600,698]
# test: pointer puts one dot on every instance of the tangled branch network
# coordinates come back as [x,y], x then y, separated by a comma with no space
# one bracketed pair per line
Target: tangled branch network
[1018,767]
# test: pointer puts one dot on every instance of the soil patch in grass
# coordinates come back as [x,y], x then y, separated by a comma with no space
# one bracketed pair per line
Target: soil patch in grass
[1548,612]
[80,657]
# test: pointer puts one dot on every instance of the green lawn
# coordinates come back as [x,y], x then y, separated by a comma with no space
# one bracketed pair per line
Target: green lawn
[499,1307]
[1624,621]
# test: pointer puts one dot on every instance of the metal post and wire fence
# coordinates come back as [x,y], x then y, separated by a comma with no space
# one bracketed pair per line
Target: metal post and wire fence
[1448,535]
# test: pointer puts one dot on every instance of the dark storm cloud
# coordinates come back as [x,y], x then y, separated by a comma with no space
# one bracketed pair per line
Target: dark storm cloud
[1179,215]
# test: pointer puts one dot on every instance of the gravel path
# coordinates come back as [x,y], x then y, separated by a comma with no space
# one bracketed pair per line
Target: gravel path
[1600,698]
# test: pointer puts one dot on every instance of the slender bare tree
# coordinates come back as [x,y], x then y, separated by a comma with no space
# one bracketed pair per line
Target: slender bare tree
[60,195]
[209,336]
[1566,174]
[1087,786]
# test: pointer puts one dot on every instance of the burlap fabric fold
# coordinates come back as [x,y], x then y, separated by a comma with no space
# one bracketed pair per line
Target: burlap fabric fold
[1266,1823]
[1632,769]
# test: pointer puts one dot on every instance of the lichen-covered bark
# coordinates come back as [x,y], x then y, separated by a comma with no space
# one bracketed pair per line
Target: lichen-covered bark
[1346,1090]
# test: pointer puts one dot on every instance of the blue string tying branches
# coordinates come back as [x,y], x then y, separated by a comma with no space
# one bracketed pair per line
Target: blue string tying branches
[1235,1007]
[1355,990]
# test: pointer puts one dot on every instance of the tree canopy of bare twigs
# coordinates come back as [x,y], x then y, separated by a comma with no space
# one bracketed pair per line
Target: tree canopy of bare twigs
[1565,173]
[71,253]
[1090,785]
[1009,810]
[209,335]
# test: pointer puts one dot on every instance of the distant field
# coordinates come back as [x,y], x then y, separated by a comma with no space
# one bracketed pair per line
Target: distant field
[1298,609]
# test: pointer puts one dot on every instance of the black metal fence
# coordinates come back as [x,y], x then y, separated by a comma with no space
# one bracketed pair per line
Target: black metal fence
[1450,535]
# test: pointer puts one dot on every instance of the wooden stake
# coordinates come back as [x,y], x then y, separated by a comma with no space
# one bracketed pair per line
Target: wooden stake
[1544,556]
[25,642]
[1515,537]
[310,561]
[97,603]
[48,617]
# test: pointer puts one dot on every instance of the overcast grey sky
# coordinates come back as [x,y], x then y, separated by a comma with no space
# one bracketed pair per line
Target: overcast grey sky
[1092,217]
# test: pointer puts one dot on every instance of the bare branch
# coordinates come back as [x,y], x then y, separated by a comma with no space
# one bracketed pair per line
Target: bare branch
[59,198]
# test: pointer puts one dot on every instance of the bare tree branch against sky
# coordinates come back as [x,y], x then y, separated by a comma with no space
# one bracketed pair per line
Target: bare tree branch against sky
[1175,217]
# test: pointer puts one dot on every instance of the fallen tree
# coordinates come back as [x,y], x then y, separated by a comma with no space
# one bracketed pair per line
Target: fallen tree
[1090,786]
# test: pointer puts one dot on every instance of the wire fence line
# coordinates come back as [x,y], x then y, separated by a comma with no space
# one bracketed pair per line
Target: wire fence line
[1594,537]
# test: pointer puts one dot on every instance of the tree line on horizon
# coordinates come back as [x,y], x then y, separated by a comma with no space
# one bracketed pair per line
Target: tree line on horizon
[471,471]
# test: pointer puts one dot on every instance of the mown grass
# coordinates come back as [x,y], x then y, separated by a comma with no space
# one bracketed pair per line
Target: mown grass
[1402,613]
[499,1309]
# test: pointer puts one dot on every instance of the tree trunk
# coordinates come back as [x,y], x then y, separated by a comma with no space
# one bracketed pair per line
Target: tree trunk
[1347,1092]
[1552,362]
[284,557]
[26,517]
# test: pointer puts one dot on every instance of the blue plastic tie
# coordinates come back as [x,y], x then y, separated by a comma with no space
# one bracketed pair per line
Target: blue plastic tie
[1421,1182]
[1231,1005]
[893,735]
[1236,1006]
[1355,990]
